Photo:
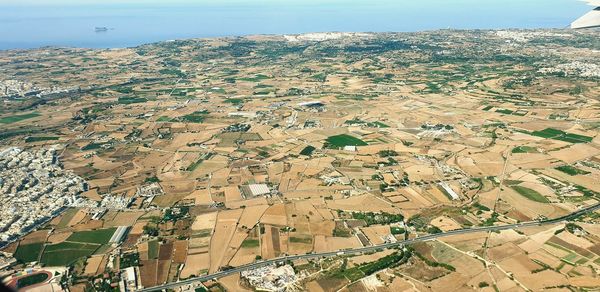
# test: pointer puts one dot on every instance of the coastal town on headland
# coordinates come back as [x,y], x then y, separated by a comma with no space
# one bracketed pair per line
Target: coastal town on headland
[421,161]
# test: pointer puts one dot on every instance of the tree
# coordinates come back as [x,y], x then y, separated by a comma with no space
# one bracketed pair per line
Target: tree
[151,230]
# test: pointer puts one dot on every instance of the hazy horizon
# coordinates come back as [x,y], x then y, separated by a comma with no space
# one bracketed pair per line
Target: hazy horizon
[32,24]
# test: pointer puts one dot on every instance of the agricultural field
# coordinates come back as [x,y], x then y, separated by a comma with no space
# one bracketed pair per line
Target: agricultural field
[524,149]
[66,253]
[18,118]
[100,236]
[530,194]
[570,170]
[206,154]
[29,253]
[563,136]
[41,139]
[343,140]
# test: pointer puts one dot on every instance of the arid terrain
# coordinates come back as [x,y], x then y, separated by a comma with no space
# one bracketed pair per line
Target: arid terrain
[214,153]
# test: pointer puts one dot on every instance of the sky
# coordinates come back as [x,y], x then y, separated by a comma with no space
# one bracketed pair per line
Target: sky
[154,2]
[187,2]
[35,23]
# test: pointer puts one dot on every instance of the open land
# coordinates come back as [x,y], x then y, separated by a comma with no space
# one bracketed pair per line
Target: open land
[206,154]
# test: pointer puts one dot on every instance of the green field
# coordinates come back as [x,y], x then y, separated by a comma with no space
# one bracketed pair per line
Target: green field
[29,252]
[153,248]
[152,179]
[504,111]
[202,233]
[198,162]
[234,101]
[195,117]
[259,86]
[100,236]
[305,240]
[343,140]
[32,280]
[397,230]
[524,149]
[570,170]
[308,150]
[40,139]
[570,258]
[250,243]
[264,90]
[124,90]
[194,165]
[18,118]
[256,78]
[175,72]
[550,133]
[182,91]
[66,253]
[530,194]
[66,218]
[353,274]
[94,146]
[164,119]
[131,100]
[103,249]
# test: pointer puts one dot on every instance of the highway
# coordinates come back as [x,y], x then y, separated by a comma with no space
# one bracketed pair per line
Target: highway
[370,248]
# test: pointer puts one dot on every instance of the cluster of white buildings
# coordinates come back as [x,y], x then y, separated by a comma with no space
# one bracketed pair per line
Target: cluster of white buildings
[576,68]
[271,278]
[18,88]
[115,202]
[129,280]
[33,189]
[522,36]
[149,190]
[322,36]
[6,260]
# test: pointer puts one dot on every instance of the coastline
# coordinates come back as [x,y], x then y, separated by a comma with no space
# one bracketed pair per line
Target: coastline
[282,36]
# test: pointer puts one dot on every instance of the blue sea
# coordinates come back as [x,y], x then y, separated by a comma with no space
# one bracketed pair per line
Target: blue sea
[72,24]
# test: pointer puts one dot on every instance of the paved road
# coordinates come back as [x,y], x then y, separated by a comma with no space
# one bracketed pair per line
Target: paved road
[369,248]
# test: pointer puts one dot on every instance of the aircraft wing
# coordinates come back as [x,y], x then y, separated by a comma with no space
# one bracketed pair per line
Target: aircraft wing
[589,20]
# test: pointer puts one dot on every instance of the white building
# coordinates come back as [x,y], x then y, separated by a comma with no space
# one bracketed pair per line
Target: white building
[128,279]
[259,189]
[449,191]
[350,148]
